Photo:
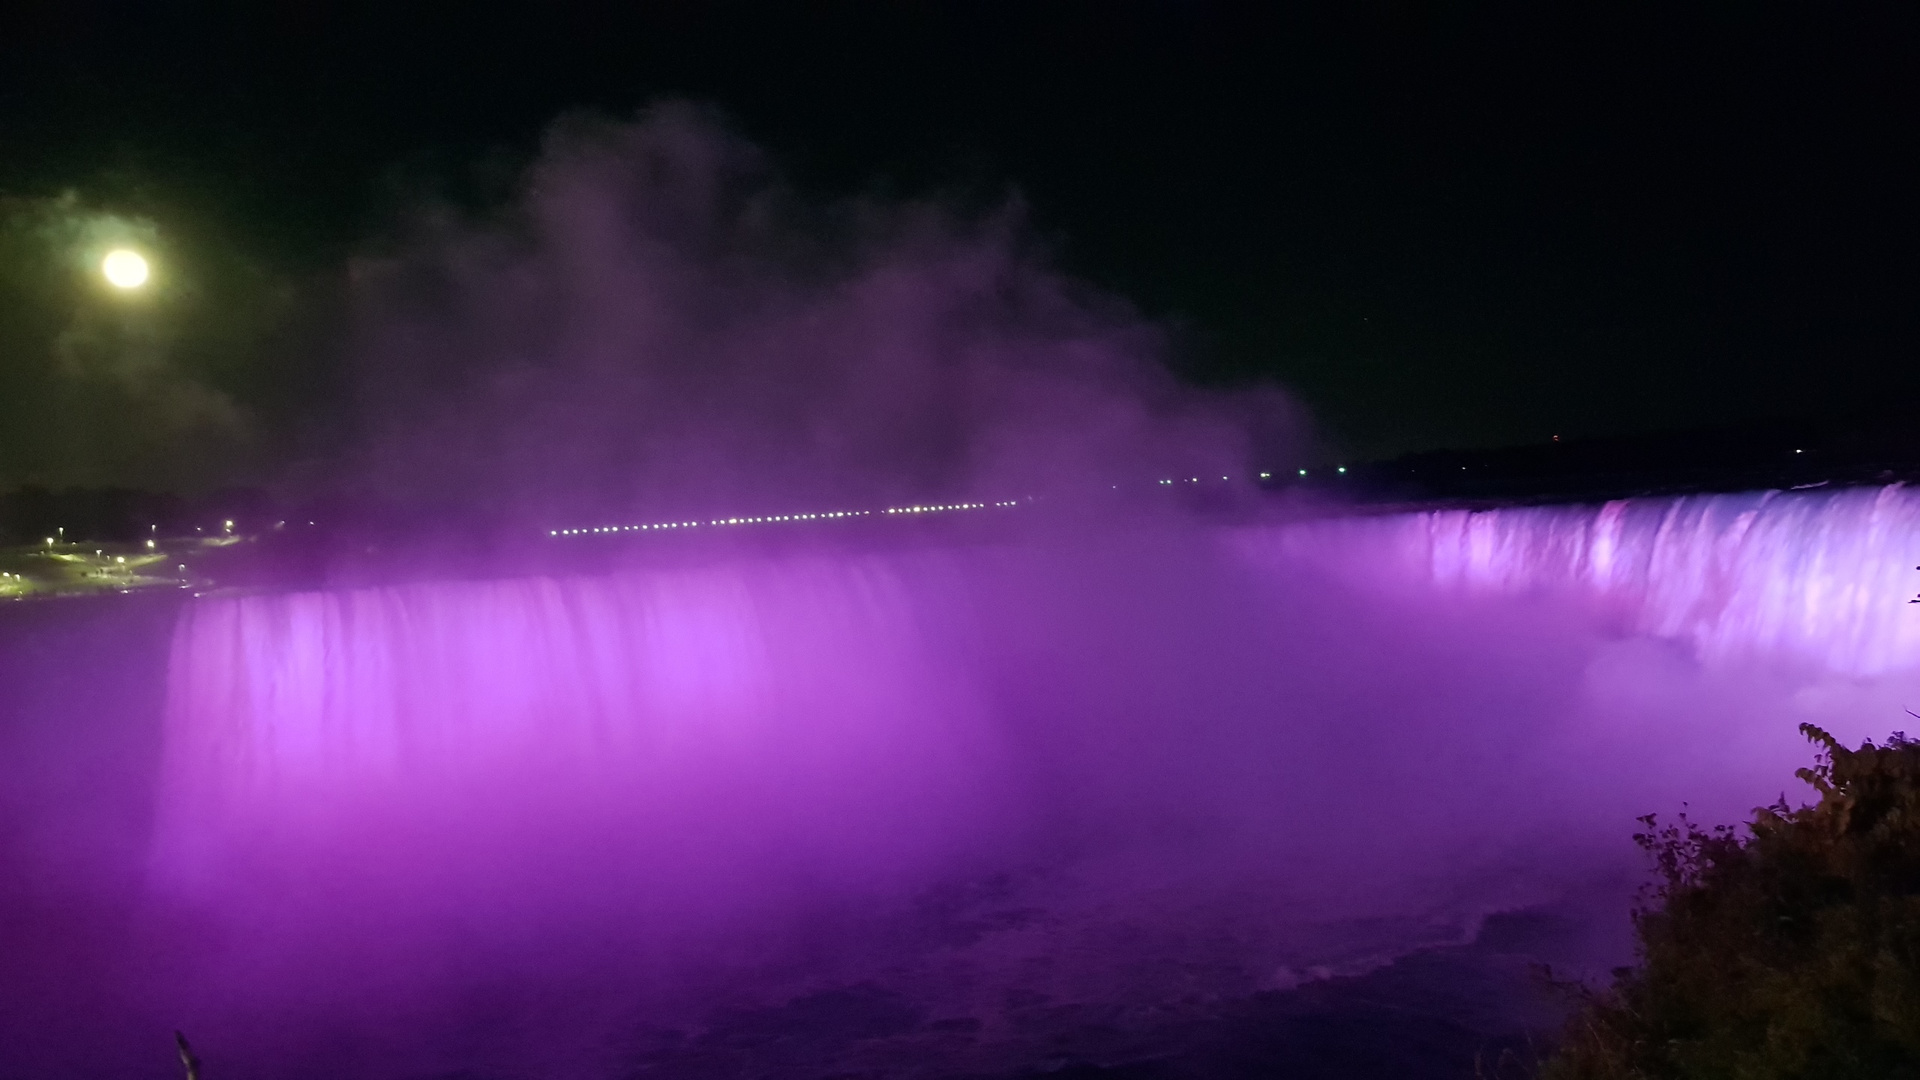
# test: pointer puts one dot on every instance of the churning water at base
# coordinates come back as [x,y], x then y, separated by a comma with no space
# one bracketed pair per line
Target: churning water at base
[526,825]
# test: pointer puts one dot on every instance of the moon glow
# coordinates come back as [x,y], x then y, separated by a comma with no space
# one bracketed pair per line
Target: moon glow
[124,269]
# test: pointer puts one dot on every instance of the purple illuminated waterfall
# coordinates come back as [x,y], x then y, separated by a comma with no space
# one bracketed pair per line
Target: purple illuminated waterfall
[678,737]
[518,820]
[1813,578]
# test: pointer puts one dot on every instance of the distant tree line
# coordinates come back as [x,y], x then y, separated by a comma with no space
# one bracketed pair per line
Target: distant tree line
[1868,448]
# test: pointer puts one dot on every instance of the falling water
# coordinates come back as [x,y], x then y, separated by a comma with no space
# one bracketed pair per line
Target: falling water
[510,819]
[1813,577]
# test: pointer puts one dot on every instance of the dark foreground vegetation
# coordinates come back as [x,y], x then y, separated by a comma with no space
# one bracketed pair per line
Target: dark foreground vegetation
[1790,952]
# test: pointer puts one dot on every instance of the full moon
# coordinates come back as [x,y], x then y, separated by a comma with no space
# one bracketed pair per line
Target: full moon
[124,269]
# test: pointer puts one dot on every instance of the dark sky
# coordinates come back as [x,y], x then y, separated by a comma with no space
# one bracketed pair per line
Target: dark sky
[1455,225]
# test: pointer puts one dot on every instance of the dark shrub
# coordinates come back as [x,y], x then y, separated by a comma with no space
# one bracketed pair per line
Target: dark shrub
[1793,951]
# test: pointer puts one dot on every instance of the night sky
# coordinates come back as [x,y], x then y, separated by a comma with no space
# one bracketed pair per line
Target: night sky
[1449,226]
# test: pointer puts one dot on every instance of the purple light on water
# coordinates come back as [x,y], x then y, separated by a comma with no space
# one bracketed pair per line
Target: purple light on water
[1798,577]
[432,787]
[380,810]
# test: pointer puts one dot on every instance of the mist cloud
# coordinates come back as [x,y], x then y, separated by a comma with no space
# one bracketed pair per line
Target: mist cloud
[660,324]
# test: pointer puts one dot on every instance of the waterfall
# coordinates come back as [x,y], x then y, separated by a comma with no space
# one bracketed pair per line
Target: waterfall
[762,714]
[1155,759]
[1820,577]
[863,715]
